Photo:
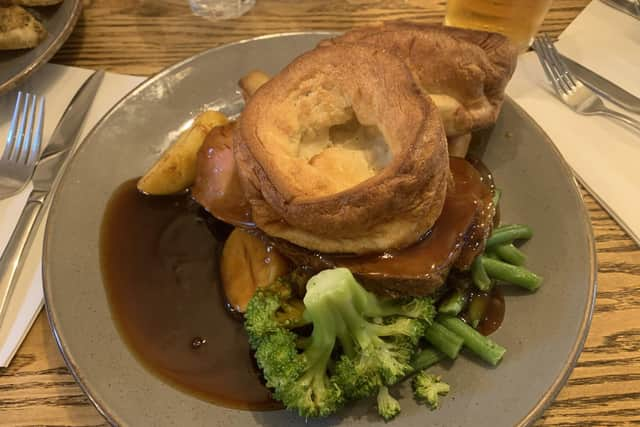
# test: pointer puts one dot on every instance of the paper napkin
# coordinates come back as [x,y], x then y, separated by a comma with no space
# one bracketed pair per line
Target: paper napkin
[58,84]
[603,153]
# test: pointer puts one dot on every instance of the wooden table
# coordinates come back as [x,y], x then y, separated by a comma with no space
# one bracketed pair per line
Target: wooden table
[144,36]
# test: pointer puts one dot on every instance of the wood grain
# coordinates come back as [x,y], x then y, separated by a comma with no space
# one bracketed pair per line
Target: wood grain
[144,36]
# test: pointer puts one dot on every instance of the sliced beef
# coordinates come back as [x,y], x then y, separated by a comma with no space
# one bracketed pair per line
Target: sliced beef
[457,237]
[217,186]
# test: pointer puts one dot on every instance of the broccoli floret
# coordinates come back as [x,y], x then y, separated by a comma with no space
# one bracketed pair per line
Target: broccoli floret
[299,378]
[273,307]
[260,316]
[427,388]
[382,356]
[301,369]
[374,354]
[388,406]
[306,386]
[370,305]
[400,327]
[279,349]
[416,308]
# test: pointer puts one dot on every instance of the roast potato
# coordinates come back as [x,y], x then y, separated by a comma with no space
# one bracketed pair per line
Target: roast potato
[250,83]
[176,169]
[19,29]
[248,263]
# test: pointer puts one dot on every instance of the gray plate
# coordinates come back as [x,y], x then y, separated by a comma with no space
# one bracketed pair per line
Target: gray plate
[59,20]
[543,332]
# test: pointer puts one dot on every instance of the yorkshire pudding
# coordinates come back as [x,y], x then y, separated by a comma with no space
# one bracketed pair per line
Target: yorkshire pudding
[464,71]
[341,153]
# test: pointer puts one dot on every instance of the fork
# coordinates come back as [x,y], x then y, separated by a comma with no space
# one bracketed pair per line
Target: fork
[570,89]
[22,149]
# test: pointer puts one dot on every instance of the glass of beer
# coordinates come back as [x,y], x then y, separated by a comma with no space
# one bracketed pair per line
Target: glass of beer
[517,19]
[220,9]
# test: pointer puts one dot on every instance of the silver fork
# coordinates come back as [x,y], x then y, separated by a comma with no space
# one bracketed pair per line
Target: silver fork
[571,90]
[22,149]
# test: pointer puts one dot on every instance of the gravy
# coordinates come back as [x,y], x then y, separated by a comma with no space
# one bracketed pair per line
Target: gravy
[456,234]
[160,264]
[160,269]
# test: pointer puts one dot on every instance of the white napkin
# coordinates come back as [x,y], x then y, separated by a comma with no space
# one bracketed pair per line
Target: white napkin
[603,153]
[58,84]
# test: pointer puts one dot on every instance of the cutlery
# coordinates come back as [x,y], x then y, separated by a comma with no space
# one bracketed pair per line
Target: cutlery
[630,7]
[22,148]
[602,86]
[569,89]
[45,178]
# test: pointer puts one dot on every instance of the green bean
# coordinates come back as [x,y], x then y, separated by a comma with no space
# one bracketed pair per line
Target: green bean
[426,358]
[506,227]
[477,309]
[479,274]
[482,346]
[497,193]
[516,275]
[443,339]
[510,254]
[491,254]
[454,303]
[508,233]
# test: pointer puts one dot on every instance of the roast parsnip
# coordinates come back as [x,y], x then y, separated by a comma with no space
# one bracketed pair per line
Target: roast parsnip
[176,169]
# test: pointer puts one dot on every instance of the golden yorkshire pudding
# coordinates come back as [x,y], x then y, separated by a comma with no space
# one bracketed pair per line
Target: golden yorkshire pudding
[464,71]
[341,153]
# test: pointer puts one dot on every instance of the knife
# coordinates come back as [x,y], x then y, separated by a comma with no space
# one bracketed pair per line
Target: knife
[630,7]
[604,87]
[45,179]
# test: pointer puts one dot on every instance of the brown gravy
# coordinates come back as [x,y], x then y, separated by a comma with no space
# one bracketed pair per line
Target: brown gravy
[160,258]
[160,269]
[494,312]
[460,225]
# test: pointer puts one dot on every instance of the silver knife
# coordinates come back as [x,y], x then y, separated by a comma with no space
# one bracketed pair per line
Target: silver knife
[630,7]
[604,87]
[45,179]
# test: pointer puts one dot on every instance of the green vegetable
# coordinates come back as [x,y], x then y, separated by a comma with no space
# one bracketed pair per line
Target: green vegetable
[516,275]
[491,254]
[444,340]
[375,353]
[273,307]
[508,233]
[415,308]
[482,346]
[375,359]
[479,275]
[300,380]
[388,407]
[426,358]
[497,193]
[477,309]
[454,303]
[428,388]
[510,254]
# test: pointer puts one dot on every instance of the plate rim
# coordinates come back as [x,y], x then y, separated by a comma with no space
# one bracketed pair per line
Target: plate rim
[545,399]
[48,53]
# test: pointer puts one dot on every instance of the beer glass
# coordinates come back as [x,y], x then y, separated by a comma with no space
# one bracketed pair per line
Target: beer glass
[517,19]
[220,9]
